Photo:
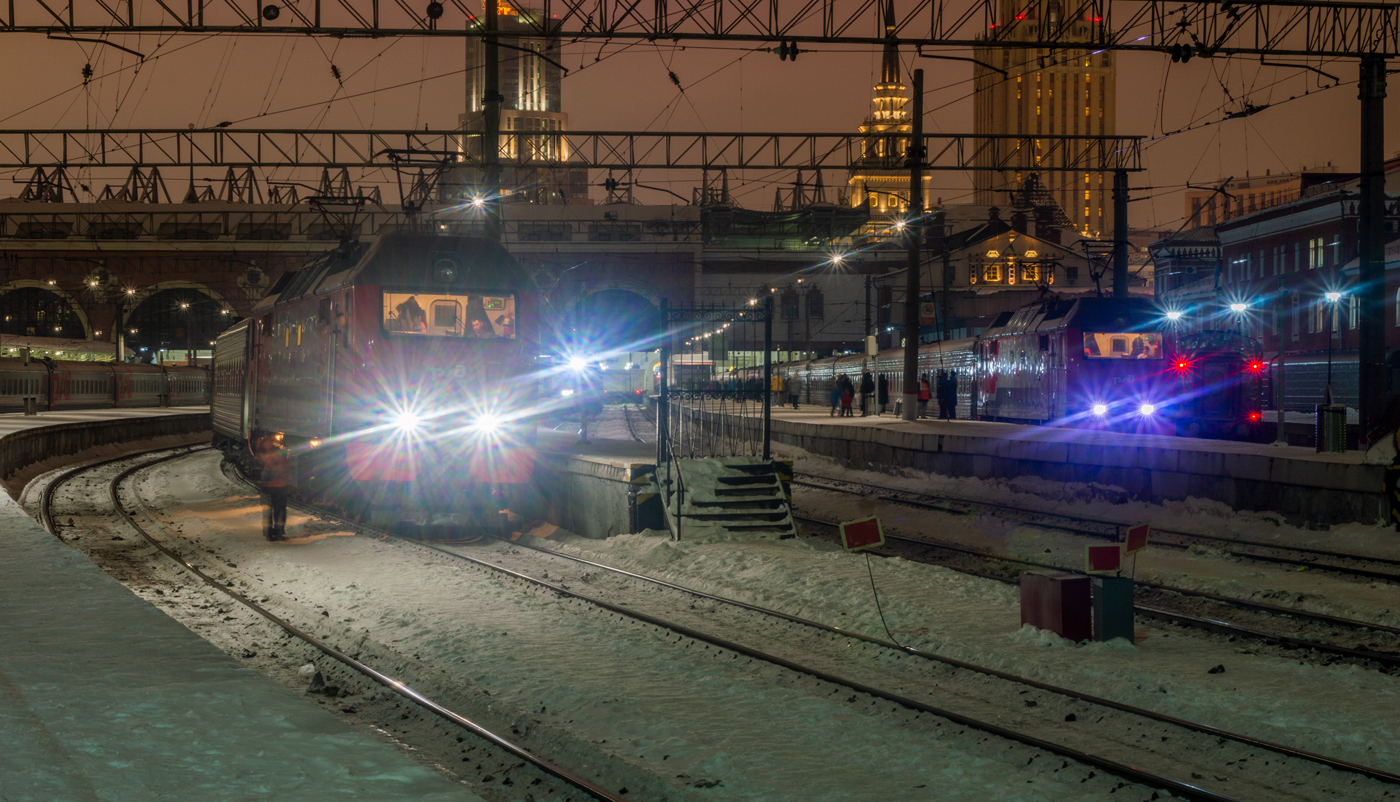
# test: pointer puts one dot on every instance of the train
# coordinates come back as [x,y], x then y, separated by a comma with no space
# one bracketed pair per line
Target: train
[56,385]
[397,374]
[1103,363]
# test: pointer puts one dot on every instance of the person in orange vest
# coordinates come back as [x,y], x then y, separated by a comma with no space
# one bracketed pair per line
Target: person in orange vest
[275,479]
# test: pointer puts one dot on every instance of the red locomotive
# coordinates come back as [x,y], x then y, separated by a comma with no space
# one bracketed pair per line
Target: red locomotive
[398,377]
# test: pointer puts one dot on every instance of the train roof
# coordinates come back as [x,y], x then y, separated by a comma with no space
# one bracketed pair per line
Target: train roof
[1088,314]
[421,262]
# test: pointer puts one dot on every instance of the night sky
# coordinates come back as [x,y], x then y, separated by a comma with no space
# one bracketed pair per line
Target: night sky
[287,82]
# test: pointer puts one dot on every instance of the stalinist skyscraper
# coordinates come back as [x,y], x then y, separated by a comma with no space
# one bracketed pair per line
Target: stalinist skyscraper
[1061,92]
[882,172]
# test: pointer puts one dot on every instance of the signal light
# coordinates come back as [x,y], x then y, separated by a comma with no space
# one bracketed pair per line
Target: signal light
[1256,367]
[1183,365]
[1255,417]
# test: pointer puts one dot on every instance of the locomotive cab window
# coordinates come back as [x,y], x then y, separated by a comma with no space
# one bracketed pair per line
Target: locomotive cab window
[1123,345]
[465,316]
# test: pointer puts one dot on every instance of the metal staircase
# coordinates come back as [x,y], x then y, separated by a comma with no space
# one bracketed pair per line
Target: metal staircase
[728,497]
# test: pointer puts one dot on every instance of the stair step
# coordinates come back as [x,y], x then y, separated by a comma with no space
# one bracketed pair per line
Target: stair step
[753,468]
[750,516]
[747,491]
[739,504]
[746,480]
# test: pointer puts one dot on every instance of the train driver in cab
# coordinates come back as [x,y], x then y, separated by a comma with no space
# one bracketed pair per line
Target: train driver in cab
[411,317]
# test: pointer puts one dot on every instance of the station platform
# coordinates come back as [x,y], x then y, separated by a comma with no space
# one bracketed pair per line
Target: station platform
[104,697]
[603,487]
[1303,485]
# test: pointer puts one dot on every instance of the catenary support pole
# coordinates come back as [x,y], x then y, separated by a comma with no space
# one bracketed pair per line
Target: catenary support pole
[910,407]
[945,308]
[1280,387]
[767,376]
[663,411]
[1120,233]
[1370,285]
[491,124]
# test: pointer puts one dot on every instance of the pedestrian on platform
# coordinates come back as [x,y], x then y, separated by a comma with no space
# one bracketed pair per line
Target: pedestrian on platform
[952,395]
[794,389]
[925,392]
[942,393]
[884,392]
[275,479]
[835,396]
[867,393]
[848,393]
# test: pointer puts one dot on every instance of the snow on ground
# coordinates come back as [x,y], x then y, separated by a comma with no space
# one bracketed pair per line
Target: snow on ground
[103,697]
[605,690]
[1342,710]
[1208,570]
[1115,504]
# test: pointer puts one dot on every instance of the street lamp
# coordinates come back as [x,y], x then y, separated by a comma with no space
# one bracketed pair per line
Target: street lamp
[1332,298]
[1239,308]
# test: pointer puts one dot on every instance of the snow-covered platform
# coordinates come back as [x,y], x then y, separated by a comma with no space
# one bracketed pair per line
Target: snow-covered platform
[1298,482]
[103,696]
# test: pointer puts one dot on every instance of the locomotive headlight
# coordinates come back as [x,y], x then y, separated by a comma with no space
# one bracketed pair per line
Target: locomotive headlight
[1147,409]
[577,363]
[1100,409]
[486,423]
[406,421]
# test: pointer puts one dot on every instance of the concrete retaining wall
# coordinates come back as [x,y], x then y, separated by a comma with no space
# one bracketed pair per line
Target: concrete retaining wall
[1305,491]
[596,498]
[43,442]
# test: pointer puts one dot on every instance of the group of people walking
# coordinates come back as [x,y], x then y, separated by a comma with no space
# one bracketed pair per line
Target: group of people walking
[873,393]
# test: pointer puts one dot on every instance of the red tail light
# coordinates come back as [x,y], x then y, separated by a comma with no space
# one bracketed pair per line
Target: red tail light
[1255,417]
[1182,365]
[1256,367]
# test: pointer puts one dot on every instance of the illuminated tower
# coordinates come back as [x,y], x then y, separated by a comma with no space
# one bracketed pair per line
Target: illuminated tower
[530,86]
[881,175]
[1060,92]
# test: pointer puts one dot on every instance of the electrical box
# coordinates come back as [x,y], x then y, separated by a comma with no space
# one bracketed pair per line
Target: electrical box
[1058,602]
[1113,608]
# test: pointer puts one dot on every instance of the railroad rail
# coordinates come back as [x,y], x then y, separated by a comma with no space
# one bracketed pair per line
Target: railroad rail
[389,682]
[1112,530]
[1388,659]
[1183,788]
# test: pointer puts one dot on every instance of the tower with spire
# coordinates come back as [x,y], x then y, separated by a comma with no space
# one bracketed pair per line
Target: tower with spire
[881,174]
[1063,92]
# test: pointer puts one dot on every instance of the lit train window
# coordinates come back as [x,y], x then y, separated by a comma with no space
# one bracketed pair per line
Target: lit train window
[439,315]
[1123,345]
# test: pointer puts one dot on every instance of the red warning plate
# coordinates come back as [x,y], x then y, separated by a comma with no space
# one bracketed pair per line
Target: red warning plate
[1137,539]
[862,533]
[1102,559]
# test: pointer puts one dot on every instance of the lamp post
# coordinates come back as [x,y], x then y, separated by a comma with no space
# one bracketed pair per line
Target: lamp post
[1239,309]
[1332,298]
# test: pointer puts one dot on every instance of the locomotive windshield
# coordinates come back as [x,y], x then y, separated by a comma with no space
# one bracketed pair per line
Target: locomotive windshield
[1126,345]
[467,316]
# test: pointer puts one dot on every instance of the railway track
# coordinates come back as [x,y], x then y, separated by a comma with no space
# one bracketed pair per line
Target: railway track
[919,547]
[381,678]
[1187,788]
[1357,565]
[631,426]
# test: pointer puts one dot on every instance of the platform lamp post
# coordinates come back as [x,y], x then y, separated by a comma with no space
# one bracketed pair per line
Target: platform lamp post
[1239,309]
[120,324]
[1332,298]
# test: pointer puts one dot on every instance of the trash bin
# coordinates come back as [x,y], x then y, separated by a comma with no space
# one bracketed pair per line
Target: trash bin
[1331,428]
